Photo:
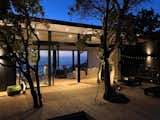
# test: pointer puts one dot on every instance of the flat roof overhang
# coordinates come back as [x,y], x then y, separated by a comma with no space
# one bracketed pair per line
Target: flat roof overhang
[64,33]
[59,22]
[61,45]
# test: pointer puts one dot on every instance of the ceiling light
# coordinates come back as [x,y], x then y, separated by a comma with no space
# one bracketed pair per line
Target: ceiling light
[37,33]
[70,36]
[67,29]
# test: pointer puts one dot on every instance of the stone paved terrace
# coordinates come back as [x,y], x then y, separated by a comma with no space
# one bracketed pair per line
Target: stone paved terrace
[73,97]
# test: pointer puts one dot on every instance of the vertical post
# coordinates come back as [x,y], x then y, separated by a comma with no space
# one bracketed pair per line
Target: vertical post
[87,63]
[49,58]
[78,62]
[54,64]
[58,58]
[73,67]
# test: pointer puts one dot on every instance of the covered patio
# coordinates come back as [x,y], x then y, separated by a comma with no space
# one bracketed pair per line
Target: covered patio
[55,36]
[59,35]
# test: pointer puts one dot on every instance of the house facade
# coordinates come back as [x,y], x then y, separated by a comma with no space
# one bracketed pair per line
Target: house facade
[57,35]
[142,60]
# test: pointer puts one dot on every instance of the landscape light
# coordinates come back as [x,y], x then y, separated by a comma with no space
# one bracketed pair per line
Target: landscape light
[137,35]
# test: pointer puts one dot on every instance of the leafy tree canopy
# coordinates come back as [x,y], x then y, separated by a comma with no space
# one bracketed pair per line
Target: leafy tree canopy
[147,21]
[16,32]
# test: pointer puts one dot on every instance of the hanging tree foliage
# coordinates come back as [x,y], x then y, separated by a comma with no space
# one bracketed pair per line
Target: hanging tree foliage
[112,14]
[16,34]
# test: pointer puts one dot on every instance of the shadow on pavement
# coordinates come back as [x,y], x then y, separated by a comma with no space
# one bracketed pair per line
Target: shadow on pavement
[117,98]
[74,116]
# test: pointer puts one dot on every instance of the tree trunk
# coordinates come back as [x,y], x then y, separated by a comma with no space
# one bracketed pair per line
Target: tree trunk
[108,91]
[37,75]
[36,71]
[30,80]
[33,92]
[38,87]
[118,39]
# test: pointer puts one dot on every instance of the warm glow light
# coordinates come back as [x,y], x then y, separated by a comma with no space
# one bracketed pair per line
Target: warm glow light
[70,36]
[37,32]
[1,61]
[137,35]
[149,60]
[2,94]
[112,75]
[1,22]
[148,51]
[1,52]
[67,29]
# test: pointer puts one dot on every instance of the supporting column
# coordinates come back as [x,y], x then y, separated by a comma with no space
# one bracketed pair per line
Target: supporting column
[73,66]
[49,58]
[54,64]
[78,65]
[87,63]
[58,58]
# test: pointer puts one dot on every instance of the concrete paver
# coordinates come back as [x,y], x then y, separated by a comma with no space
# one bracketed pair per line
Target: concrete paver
[74,97]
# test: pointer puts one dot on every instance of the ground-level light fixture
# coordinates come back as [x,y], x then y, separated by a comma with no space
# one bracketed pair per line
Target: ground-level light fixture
[137,34]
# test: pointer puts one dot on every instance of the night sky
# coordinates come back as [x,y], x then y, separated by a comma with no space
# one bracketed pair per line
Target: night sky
[58,10]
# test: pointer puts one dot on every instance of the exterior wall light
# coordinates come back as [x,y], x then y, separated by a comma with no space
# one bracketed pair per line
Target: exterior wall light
[149,58]
[148,51]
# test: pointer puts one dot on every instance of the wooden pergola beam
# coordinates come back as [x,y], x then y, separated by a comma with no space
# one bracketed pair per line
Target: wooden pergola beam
[63,43]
